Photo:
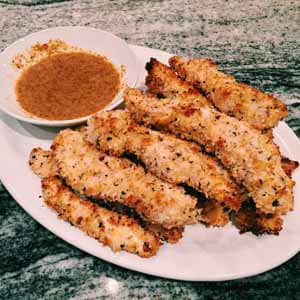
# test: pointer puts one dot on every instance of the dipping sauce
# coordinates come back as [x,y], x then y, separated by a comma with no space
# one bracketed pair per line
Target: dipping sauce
[68,85]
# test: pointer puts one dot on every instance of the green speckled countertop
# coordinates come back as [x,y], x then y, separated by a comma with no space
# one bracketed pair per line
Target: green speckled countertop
[258,41]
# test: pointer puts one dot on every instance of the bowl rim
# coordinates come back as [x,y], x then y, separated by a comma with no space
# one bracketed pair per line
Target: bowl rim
[55,123]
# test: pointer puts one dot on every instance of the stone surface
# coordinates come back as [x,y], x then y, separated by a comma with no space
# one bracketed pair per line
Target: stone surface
[257,41]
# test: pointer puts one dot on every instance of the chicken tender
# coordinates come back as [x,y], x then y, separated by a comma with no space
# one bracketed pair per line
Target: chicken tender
[117,231]
[252,158]
[166,156]
[94,174]
[161,80]
[248,218]
[260,110]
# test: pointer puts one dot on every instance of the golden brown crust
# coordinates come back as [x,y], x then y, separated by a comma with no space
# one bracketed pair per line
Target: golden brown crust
[214,213]
[260,110]
[166,156]
[97,175]
[289,166]
[251,157]
[248,218]
[41,162]
[211,214]
[45,158]
[162,80]
[117,231]
[171,236]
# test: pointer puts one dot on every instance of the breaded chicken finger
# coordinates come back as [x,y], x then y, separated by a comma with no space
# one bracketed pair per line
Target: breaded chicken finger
[162,80]
[260,110]
[248,218]
[117,231]
[167,157]
[94,174]
[252,158]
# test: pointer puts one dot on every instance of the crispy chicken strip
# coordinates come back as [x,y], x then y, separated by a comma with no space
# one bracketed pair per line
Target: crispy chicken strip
[117,231]
[166,156]
[248,218]
[252,158]
[94,174]
[162,80]
[260,110]
[42,164]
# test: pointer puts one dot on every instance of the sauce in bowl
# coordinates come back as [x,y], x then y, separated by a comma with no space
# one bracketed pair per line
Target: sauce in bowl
[68,85]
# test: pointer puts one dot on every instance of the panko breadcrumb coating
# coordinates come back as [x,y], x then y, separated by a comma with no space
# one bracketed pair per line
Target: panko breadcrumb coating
[118,231]
[262,111]
[94,174]
[248,218]
[252,158]
[43,164]
[167,157]
[163,81]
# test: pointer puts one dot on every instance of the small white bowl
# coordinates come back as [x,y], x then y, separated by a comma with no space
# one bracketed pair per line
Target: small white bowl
[96,40]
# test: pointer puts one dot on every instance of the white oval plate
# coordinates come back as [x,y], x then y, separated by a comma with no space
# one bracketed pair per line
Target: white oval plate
[96,40]
[204,254]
